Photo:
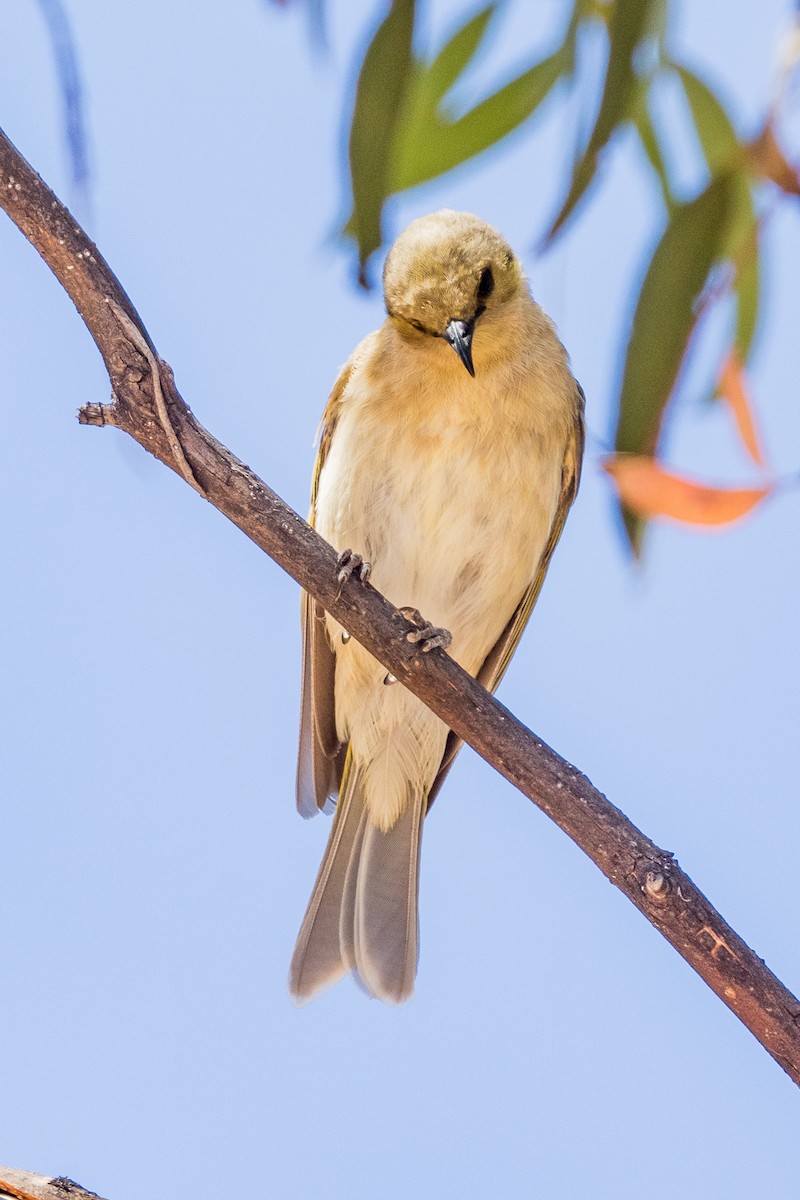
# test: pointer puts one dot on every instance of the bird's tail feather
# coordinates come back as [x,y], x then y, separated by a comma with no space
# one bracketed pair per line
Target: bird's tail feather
[362,915]
[386,926]
[317,960]
[347,910]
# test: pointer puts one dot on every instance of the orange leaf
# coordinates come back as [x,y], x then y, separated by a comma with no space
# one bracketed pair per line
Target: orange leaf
[731,384]
[646,488]
[767,158]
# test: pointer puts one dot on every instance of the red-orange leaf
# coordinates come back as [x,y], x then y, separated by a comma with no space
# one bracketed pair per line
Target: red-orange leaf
[732,388]
[651,491]
[767,158]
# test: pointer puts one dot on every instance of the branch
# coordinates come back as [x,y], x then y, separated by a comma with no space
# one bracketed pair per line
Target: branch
[147,406]
[24,1185]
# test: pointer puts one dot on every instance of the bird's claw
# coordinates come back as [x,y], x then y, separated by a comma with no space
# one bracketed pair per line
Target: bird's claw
[424,635]
[350,564]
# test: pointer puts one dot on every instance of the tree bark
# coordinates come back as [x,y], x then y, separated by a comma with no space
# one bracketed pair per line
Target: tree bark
[147,406]
[24,1185]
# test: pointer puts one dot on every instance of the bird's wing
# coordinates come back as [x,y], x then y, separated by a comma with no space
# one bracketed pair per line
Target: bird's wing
[498,658]
[321,755]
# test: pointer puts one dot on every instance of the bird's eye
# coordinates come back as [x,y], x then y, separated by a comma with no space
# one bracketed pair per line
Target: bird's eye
[485,284]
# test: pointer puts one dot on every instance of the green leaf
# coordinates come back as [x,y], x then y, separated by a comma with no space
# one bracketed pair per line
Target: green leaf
[631,21]
[648,136]
[741,282]
[723,151]
[379,95]
[657,21]
[715,131]
[401,134]
[743,250]
[748,295]
[664,319]
[429,83]
[582,11]
[426,149]
[456,55]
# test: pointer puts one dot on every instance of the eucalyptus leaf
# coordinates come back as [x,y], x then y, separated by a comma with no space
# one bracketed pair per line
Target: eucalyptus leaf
[429,83]
[742,248]
[748,296]
[657,22]
[631,21]
[715,132]
[429,143]
[456,55]
[648,136]
[402,134]
[664,319]
[381,86]
[723,151]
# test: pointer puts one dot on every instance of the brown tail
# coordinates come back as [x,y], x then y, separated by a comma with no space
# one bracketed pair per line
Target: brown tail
[362,915]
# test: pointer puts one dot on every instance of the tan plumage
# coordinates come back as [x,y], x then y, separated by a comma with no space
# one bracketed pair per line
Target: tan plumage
[456,490]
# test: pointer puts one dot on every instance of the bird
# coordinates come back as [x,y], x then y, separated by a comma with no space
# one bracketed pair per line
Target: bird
[449,455]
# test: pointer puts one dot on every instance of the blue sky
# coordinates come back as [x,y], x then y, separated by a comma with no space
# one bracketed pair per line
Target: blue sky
[155,871]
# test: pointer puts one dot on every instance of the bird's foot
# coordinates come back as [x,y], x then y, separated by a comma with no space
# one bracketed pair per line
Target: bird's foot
[424,635]
[350,564]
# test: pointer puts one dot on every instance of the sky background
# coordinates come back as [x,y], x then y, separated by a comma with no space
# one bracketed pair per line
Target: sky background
[155,871]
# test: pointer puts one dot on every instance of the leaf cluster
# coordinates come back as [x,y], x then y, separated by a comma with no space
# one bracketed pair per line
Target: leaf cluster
[406,130]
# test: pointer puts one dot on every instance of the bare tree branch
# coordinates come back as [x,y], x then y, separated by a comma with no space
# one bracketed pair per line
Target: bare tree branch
[147,406]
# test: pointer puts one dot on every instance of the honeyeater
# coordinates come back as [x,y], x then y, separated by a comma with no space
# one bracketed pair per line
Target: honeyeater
[449,456]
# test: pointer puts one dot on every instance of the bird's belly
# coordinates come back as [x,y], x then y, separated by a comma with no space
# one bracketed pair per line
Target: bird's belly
[454,524]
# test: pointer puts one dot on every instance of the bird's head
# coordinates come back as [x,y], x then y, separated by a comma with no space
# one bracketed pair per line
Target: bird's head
[445,273]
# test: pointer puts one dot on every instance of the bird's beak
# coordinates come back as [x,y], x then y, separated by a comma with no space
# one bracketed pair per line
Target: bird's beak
[459,335]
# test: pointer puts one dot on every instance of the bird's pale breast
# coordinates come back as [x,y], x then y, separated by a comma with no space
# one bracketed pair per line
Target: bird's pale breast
[448,490]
